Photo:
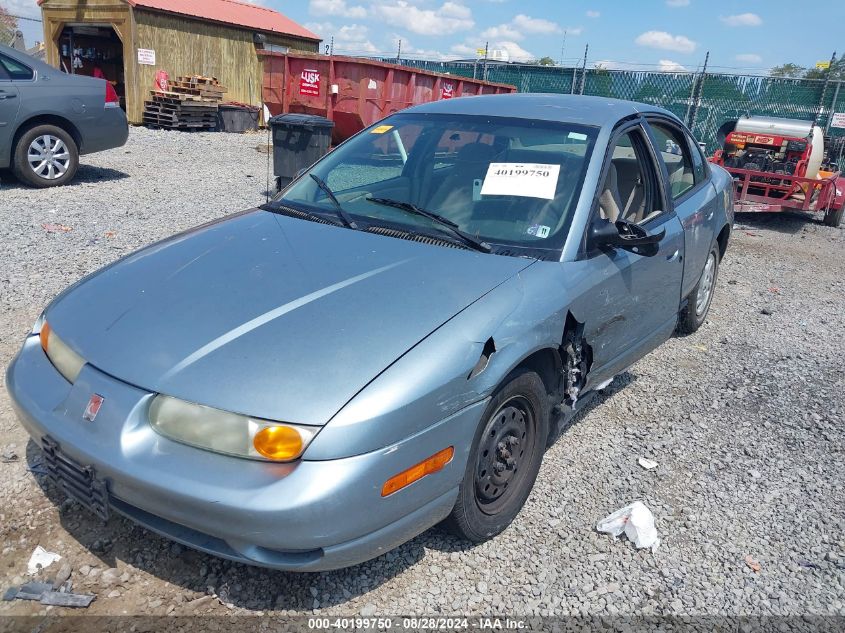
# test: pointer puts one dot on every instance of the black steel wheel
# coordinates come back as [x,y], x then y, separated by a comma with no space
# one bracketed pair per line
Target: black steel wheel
[504,460]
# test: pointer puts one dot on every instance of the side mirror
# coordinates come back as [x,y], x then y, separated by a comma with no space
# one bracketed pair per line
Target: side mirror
[627,236]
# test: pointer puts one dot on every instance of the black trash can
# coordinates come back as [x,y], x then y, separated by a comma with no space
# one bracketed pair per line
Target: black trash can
[237,118]
[299,140]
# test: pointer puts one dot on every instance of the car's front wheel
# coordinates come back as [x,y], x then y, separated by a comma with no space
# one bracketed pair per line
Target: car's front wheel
[504,460]
[698,303]
[46,156]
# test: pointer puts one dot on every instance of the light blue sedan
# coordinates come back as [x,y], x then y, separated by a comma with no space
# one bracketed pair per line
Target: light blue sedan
[389,343]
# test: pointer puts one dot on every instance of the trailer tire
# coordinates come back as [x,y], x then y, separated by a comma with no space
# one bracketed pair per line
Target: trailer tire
[834,218]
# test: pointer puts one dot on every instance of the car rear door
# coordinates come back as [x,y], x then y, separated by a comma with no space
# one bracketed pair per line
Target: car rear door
[632,305]
[693,196]
[9,105]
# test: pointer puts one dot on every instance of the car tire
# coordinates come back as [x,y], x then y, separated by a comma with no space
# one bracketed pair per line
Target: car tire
[695,312]
[834,218]
[57,149]
[504,460]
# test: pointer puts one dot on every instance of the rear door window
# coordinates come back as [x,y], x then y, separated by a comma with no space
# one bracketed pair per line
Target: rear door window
[674,150]
[698,163]
[15,70]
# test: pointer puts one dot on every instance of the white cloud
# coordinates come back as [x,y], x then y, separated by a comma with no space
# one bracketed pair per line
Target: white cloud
[751,58]
[25,8]
[323,8]
[666,41]
[521,24]
[677,3]
[515,51]
[450,17]
[593,14]
[503,31]
[742,19]
[320,27]
[668,66]
[528,24]
[349,38]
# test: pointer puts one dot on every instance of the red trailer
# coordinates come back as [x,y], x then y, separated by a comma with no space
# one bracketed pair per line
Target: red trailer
[775,164]
[355,92]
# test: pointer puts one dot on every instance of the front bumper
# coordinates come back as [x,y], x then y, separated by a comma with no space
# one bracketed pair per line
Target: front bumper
[305,516]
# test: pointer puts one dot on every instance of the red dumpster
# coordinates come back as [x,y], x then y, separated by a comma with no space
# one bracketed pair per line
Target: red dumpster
[355,92]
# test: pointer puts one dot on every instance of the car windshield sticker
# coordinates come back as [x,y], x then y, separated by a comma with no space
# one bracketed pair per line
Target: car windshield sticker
[381,129]
[539,230]
[577,136]
[528,180]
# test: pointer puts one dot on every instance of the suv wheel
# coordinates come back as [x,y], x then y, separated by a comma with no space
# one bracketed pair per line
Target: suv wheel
[46,156]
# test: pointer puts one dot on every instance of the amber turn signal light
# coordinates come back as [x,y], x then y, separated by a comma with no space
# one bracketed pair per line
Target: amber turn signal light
[44,335]
[426,467]
[278,443]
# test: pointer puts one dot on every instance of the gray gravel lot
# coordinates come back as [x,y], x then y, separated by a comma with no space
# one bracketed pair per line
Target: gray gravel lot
[745,419]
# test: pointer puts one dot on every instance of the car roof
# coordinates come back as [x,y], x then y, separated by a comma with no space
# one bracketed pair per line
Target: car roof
[24,58]
[580,109]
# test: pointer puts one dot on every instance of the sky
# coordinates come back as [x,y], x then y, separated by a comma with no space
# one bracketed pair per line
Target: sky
[742,36]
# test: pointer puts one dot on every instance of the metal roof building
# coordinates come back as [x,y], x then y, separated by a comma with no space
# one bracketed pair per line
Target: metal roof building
[129,41]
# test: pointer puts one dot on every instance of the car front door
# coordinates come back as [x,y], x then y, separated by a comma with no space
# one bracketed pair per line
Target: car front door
[632,305]
[9,105]
[692,193]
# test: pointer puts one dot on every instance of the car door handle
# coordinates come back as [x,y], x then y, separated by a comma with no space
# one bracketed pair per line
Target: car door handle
[6,95]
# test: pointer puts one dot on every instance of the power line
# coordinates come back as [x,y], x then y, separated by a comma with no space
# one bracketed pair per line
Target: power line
[23,17]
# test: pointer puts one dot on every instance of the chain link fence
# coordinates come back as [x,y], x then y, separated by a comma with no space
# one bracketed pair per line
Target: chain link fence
[707,102]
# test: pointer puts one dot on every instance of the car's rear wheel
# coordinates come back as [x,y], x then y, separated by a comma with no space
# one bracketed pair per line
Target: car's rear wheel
[46,156]
[505,459]
[834,218]
[698,303]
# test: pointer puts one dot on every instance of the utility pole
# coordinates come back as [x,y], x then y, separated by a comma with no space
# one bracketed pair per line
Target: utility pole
[584,69]
[563,49]
[824,89]
[484,67]
[699,89]
[399,52]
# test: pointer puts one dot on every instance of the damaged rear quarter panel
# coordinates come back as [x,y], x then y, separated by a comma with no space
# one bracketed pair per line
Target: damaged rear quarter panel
[431,381]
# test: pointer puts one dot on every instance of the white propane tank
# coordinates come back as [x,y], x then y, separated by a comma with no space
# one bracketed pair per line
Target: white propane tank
[788,127]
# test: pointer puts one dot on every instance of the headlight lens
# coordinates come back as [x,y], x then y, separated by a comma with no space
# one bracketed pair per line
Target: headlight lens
[64,359]
[230,433]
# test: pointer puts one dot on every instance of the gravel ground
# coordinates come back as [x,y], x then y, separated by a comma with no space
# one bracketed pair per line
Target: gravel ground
[744,419]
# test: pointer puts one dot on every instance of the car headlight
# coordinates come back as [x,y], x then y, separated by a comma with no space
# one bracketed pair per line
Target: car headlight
[64,359]
[230,433]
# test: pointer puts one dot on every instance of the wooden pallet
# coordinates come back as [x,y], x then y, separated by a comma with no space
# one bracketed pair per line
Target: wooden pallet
[190,103]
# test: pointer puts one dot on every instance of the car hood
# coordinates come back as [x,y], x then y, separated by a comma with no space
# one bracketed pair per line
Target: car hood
[269,316]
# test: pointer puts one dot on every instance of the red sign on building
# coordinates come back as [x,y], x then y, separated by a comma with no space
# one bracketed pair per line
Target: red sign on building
[447,91]
[309,82]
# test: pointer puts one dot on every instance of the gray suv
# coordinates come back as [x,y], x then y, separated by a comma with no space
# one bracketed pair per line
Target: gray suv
[48,118]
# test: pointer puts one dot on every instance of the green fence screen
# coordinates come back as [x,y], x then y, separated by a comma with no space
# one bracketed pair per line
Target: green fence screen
[705,101]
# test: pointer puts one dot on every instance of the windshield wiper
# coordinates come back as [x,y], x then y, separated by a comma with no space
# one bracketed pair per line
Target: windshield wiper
[466,238]
[330,194]
[276,206]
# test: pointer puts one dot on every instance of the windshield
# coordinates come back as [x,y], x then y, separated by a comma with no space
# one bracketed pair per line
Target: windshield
[511,183]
